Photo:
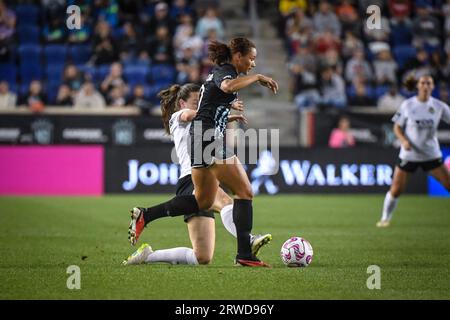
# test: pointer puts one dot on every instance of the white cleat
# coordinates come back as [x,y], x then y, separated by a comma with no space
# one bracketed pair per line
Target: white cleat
[258,241]
[383,223]
[139,256]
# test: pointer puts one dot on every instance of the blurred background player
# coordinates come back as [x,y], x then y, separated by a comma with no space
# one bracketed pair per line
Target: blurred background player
[416,123]
[179,105]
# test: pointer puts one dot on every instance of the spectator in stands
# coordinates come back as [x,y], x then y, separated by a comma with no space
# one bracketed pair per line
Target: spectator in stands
[210,21]
[179,8]
[55,31]
[341,137]
[130,45]
[8,99]
[399,9]
[160,48]
[358,66]
[206,63]
[89,97]
[391,100]
[385,68]
[36,99]
[419,65]
[64,97]
[116,97]
[183,31]
[296,22]
[161,18]
[286,8]
[114,80]
[303,68]
[138,100]
[105,48]
[188,66]
[332,89]
[107,10]
[7,29]
[327,41]
[361,97]
[325,19]
[72,77]
[191,40]
[83,34]
[350,44]
[348,16]
[426,28]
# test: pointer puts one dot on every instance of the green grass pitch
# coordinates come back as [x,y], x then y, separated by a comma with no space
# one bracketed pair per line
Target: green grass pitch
[41,237]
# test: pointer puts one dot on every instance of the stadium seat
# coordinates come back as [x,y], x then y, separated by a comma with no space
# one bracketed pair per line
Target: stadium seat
[8,72]
[55,53]
[401,35]
[135,74]
[80,53]
[101,72]
[88,70]
[162,73]
[28,34]
[151,91]
[27,14]
[54,72]
[52,91]
[30,71]
[403,53]
[30,53]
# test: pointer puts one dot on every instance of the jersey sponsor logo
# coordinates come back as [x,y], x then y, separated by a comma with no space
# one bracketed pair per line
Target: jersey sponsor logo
[431,110]
[425,123]
[210,77]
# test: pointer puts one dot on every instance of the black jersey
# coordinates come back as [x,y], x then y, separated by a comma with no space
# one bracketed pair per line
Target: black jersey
[214,104]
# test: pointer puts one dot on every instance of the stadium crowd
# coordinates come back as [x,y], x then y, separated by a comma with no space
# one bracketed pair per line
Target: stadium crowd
[125,52]
[337,60]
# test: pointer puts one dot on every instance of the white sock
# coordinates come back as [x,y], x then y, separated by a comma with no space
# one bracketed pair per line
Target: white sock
[389,206]
[226,214]
[179,255]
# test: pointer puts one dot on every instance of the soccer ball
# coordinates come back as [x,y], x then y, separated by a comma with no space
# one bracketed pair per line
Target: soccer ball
[296,252]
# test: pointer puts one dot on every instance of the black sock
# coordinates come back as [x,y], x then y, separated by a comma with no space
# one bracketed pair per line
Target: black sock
[178,206]
[243,219]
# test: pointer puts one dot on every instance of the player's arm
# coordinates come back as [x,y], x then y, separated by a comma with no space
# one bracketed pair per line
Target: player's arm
[233,85]
[401,136]
[188,115]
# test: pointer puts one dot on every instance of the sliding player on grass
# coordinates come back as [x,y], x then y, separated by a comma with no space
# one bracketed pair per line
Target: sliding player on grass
[211,162]
[416,124]
[179,104]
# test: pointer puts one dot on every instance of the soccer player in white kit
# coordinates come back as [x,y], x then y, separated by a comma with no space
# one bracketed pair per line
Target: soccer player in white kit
[179,107]
[416,123]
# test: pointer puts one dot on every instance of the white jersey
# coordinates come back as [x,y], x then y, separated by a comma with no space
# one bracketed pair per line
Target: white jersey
[420,121]
[179,130]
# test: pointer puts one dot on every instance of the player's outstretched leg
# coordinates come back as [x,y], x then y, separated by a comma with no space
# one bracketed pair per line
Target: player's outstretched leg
[139,256]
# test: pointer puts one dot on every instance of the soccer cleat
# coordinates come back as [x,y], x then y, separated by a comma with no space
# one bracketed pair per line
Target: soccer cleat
[258,241]
[251,262]
[383,223]
[139,256]
[137,224]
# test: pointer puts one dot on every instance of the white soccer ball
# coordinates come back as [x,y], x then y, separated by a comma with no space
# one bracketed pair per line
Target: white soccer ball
[296,252]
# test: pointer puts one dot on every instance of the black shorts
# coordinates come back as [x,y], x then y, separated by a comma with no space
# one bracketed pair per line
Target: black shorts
[185,187]
[411,166]
[205,152]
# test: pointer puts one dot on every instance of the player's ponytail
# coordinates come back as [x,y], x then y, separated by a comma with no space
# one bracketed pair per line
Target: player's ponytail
[410,83]
[168,103]
[170,98]
[219,52]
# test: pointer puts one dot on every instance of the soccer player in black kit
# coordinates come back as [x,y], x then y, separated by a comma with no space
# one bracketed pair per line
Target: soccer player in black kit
[211,161]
